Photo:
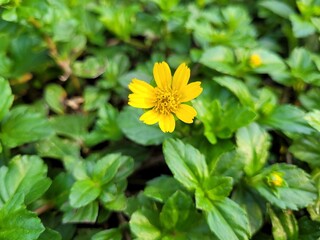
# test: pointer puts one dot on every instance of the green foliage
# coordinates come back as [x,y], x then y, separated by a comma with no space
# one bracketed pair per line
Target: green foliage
[77,163]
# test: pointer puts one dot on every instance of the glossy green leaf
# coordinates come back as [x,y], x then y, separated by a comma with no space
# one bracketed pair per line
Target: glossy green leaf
[228,220]
[303,67]
[161,188]
[313,118]
[222,122]
[253,145]
[91,67]
[106,168]
[58,148]
[186,163]
[84,192]
[297,190]
[50,234]
[238,88]
[229,164]
[106,127]
[24,175]
[301,27]
[22,125]
[145,225]
[113,233]
[176,210]
[214,188]
[287,118]
[279,8]
[306,148]
[308,230]
[54,96]
[219,58]
[18,223]
[72,125]
[253,204]
[6,98]
[284,224]
[86,214]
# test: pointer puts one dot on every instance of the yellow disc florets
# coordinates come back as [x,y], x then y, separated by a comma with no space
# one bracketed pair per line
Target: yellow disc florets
[167,101]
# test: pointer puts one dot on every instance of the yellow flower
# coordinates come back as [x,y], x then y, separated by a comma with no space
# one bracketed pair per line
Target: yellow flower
[167,98]
[255,60]
[275,179]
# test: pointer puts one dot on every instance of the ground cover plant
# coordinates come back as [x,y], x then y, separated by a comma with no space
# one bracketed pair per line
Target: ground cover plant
[159,119]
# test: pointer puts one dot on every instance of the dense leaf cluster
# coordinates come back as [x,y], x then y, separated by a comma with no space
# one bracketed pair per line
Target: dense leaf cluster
[76,162]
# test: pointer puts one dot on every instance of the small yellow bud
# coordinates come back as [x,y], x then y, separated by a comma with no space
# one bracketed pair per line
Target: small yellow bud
[275,179]
[255,60]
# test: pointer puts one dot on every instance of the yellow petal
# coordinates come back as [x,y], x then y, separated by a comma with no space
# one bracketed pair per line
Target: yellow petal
[162,75]
[167,123]
[141,87]
[181,77]
[190,91]
[150,117]
[141,100]
[186,113]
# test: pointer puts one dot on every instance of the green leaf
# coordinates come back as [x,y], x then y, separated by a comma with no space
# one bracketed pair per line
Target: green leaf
[18,223]
[253,204]
[219,58]
[22,125]
[284,224]
[176,210]
[287,118]
[91,67]
[161,188]
[86,214]
[59,190]
[228,220]
[238,88]
[106,127]
[253,145]
[301,27]
[55,147]
[119,203]
[24,175]
[6,98]
[271,64]
[84,192]
[296,191]
[138,131]
[113,233]
[313,118]
[54,96]
[50,234]
[119,20]
[306,148]
[186,163]
[310,99]
[145,225]
[303,67]
[229,164]
[314,208]
[73,126]
[221,122]
[94,98]
[106,168]
[213,188]
[281,9]
[308,230]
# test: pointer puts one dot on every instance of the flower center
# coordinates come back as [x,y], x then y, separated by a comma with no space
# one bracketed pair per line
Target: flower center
[167,101]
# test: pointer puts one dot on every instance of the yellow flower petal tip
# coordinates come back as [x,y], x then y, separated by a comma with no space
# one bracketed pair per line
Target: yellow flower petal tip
[166,99]
[255,60]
